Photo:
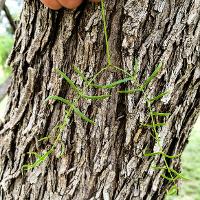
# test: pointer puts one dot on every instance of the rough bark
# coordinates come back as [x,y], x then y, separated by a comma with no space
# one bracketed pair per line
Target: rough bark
[104,161]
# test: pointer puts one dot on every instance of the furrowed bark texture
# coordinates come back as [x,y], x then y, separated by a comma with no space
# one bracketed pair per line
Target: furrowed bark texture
[105,160]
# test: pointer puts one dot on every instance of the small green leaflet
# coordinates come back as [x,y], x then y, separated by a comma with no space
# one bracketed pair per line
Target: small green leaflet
[114,84]
[159,96]
[130,91]
[154,125]
[71,83]
[35,154]
[178,175]
[39,160]
[173,190]
[76,89]
[169,178]
[44,138]
[57,98]
[153,75]
[76,110]
[161,153]
[160,114]
[81,115]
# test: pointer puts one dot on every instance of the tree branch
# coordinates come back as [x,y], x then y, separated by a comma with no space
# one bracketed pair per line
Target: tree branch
[2,3]
[9,17]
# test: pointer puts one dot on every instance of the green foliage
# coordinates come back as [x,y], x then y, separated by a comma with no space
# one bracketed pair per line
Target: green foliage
[158,96]
[155,125]
[172,174]
[160,114]
[160,153]
[189,188]
[39,159]
[114,84]
[152,76]
[6,43]
[105,32]
[169,174]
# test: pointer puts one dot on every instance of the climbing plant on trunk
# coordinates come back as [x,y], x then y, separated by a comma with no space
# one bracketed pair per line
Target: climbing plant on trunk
[118,156]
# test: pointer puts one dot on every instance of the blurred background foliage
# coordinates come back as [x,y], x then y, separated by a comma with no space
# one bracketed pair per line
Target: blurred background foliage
[6,43]
[11,9]
[189,189]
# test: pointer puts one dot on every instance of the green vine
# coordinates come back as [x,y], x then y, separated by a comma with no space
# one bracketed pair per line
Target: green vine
[169,174]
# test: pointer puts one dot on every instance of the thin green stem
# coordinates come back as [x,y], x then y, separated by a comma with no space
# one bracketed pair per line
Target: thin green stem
[105,32]
[120,69]
[157,135]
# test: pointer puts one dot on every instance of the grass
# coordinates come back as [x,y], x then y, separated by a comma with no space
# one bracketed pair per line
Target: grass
[6,43]
[191,166]
[190,189]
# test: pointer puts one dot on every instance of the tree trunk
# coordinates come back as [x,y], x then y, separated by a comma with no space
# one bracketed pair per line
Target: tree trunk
[105,160]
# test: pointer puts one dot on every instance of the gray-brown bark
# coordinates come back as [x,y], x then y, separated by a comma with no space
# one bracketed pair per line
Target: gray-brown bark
[104,161]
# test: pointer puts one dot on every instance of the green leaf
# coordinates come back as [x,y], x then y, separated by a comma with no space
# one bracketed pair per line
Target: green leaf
[153,75]
[76,69]
[171,157]
[57,98]
[35,154]
[71,83]
[154,125]
[161,153]
[27,167]
[159,96]
[153,154]
[44,138]
[169,178]
[179,175]
[173,190]
[159,168]
[122,70]
[39,160]
[76,110]
[160,114]
[105,33]
[81,115]
[114,84]
[130,91]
